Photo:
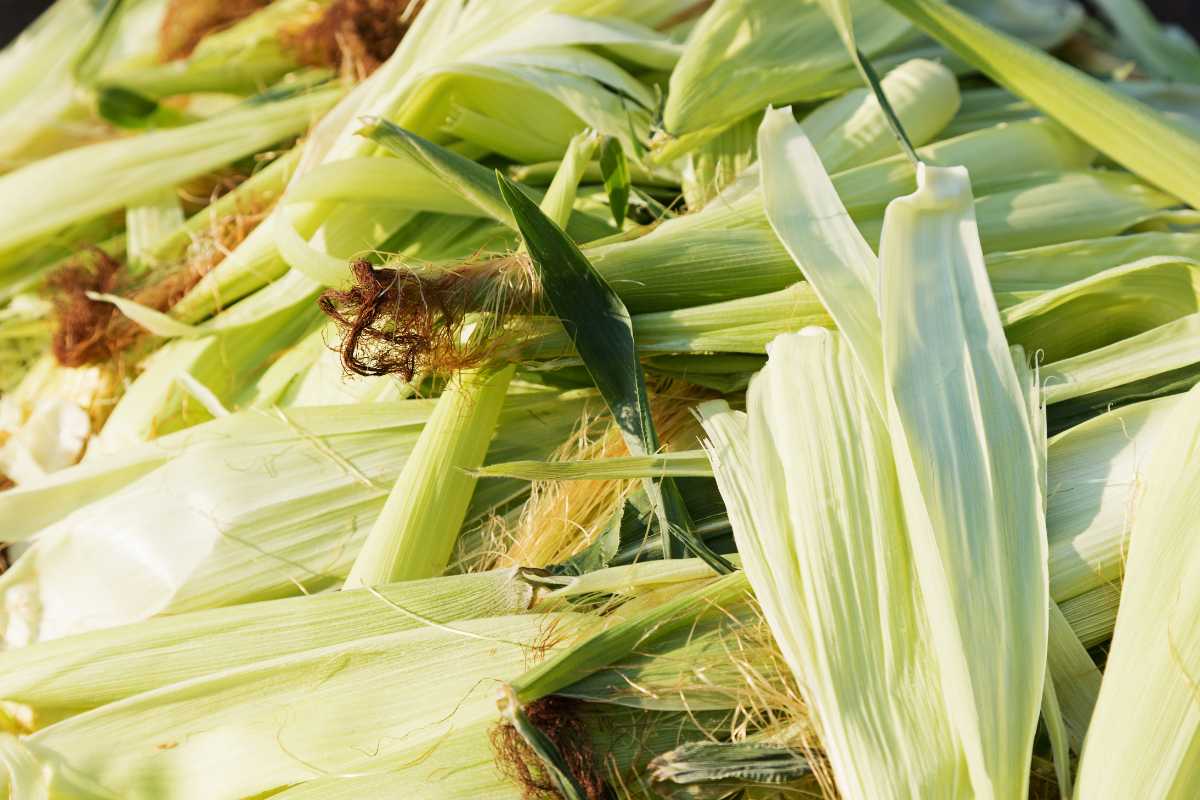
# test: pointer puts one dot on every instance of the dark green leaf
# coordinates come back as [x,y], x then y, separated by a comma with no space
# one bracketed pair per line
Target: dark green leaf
[889,114]
[600,553]
[473,181]
[615,170]
[599,326]
[127,109]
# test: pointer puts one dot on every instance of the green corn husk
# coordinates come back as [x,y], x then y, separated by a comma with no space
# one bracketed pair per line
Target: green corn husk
[1018,278]
[716,165]
[257,192]
[681,464]
[1072,679]
[743,55]
[51,680]
[121,171]
[866,703]
[848,132]
[1060,639]
[1147,698]
[1134,299]
[852,130]
[996,493]
[600,329]
[61,678]
[146,222]
[604,648]
[1082,104]
[415,533]
[1038,215]
[699,260]
[311,374]
[1093,477]
[413,536]
[235,265]
[1171,55]
[822,240]
[225,363]
[286,512]
[1019,275]
[163,652]
[332,233]
[164,251]
[241,59]
[718,663]
[170,742]
[1094,472]
[1093,614]
[728,249]
[990,106]
[1161,351]
[1044,25]
[42,254]
[462,767]
[39,93]
[953,337]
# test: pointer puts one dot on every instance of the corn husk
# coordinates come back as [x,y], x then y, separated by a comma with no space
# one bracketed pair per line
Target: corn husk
[1147,699]
[414,535]
[53,680]
[825,572]
[320,236]
[240,59]
[727,250]
[1167,54]
[727,72]
[296,717]
[1095,469]
[460,767]
[1082,104]
[852,131]
[24,337]
[941,325]
[1135,298]
[42,113]
[286,513]
[991,490]
[122,171]
[1018,275]
[1162,350]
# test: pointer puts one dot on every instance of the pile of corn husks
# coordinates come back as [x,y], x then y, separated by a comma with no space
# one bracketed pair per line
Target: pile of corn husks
[593,399]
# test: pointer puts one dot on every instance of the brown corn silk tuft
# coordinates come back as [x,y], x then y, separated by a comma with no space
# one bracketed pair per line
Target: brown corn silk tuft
[562,518]
[186,22]
[400,322]
[353,36]
[559,719]
[81,335]
[95,332]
